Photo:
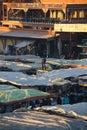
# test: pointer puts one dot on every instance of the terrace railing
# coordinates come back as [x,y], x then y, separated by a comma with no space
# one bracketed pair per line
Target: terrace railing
[47,20]
[36,20]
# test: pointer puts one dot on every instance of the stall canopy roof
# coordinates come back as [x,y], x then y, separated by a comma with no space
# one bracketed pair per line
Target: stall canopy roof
[7,96]
[26,35]
[24,44]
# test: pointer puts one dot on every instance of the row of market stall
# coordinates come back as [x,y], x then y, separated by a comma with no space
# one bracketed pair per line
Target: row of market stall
[58,84]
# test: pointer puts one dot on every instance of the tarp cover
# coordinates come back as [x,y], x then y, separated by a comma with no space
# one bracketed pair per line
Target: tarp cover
[83,45]
[24,44]
[20,94]
[7,87]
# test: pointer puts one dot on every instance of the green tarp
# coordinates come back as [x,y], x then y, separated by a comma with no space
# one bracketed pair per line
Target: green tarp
[84,44]
[7,87]
[19,94]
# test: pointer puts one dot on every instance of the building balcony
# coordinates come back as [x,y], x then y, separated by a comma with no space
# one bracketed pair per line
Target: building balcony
[35,20]
[75,25]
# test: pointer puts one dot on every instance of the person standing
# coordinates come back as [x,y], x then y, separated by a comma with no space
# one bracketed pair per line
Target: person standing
[44,63]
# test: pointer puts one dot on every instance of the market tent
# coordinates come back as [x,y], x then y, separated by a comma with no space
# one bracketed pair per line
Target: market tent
[24,44]
[7,87]
[83,45]
[15,95]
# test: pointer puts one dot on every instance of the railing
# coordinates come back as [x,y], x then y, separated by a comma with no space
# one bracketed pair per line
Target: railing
[47,20]
[79,20]
[35,20]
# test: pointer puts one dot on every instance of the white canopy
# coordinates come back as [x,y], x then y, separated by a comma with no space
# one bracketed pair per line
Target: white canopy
[24,44]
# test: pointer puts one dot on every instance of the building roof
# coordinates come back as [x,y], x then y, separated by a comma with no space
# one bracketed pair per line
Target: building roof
[77,6]
[65,1]
[25,35]
[52,1]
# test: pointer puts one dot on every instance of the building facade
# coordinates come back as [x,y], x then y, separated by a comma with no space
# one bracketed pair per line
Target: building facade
[42,15]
